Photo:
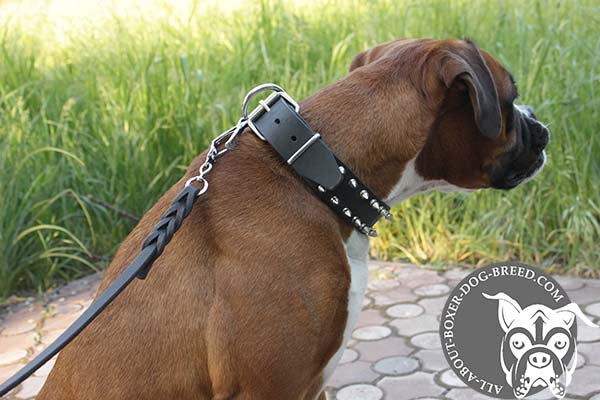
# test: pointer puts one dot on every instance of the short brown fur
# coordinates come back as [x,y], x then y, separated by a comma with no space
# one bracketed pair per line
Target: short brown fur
[249,300]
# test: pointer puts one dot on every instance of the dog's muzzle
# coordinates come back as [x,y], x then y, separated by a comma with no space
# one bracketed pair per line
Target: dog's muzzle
[527,157]
[539,367]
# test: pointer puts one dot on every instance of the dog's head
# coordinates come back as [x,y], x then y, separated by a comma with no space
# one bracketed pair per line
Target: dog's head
[444,112]
[539,348]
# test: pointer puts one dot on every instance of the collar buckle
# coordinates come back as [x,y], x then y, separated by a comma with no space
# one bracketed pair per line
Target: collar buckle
[265,105]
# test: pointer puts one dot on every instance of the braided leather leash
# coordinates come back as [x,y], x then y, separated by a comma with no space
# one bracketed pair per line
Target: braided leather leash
[152,248]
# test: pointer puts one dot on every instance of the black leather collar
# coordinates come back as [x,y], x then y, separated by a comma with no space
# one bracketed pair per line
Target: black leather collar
[277,121]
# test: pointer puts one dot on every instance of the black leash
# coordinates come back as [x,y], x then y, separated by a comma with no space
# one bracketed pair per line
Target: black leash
[277,121]
[151,249]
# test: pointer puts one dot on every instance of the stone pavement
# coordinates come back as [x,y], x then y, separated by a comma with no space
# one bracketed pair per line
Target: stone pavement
[394,353]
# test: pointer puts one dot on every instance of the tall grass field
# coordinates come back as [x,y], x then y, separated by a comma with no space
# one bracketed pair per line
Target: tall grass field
[102,110]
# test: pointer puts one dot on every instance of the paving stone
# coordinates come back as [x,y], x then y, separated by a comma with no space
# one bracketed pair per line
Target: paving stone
[593,309]
[348,355]
[401,269]
[452,284]
[396,366]
[31,387]
[433,305]
[60,321]
[422,277]
[591,352]
[569,283]
[19,327]
[432,360]
[434,290]
[586,295]
[419,384]
[66,308]
[372,351]
[22,341]
[449,378]
[456,273]
[585,381]
[390,346]
[370,317]
[383,284]
[46,368]
[404,310]
[49,337]
[12,356]
[9,370]
[366,302]
[587,333]
[465,394]
[354,372]
[428,340]
[412,326]
[592,283]
[360,392]
[401,294]
[372,332]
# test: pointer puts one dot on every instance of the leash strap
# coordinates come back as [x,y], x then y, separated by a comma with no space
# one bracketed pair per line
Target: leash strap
[303,149]
[152,248]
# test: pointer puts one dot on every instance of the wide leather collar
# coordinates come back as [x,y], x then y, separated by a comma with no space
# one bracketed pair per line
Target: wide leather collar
[277,122]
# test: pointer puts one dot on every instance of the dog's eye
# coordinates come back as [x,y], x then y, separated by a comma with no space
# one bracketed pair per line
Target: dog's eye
[518,342]
[560,344]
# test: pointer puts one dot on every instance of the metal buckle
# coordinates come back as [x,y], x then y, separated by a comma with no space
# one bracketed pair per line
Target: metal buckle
[264,105]
[303,148]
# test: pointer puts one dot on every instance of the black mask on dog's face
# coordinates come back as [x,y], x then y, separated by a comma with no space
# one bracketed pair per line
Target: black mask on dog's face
[526,157]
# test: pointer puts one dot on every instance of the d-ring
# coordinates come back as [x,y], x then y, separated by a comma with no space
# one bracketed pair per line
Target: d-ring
[255,91]
[264,105]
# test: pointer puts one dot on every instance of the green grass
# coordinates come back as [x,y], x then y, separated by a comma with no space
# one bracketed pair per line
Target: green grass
[117,108]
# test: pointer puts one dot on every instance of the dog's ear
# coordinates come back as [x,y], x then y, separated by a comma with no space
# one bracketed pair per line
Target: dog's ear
[358,61]
[572,310]
[464,65]
[368,56]
[508,309]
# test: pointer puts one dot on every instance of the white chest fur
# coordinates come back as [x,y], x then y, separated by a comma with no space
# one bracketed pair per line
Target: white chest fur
[357,252]
[412,183]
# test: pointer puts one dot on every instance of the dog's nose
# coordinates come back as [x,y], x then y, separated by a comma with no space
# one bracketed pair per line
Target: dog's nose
[539,359]
[527,110]
[540,135]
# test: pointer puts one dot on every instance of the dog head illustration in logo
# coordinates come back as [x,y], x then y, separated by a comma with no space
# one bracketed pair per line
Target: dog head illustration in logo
[538,347]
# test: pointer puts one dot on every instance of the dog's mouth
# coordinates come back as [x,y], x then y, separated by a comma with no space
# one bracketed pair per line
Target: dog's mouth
[515,178]
[527,157]
[527,377]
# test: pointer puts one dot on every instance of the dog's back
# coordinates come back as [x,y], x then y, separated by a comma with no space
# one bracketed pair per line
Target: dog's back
[198,319]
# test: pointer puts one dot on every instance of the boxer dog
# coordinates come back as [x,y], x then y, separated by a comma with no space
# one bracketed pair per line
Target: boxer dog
[539,347]
[257,293]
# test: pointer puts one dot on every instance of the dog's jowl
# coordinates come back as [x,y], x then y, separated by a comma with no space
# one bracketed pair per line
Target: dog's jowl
[255,296]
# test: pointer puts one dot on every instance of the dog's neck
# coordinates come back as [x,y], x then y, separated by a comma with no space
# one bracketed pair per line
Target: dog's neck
[365,140]
[354,121]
